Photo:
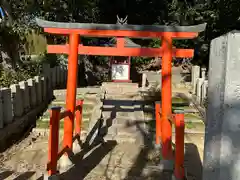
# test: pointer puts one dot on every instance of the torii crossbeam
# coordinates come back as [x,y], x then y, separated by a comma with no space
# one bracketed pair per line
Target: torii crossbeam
[166,51]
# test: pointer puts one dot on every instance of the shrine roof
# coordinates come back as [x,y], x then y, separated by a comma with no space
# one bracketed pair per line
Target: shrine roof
[92,26]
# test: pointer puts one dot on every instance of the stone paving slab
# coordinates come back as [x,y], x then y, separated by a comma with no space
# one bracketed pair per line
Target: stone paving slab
[113,161]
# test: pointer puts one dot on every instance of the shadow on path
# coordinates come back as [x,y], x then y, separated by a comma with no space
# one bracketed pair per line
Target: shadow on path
[24,176]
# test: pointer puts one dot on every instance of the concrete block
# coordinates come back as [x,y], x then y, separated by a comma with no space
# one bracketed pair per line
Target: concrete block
[7,106]
[32,92]
[25,95]
[17,101]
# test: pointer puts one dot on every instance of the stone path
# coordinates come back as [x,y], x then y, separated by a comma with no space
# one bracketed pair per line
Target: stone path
[124,148]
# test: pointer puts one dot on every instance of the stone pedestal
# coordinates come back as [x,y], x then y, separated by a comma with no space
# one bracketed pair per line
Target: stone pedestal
[222,145]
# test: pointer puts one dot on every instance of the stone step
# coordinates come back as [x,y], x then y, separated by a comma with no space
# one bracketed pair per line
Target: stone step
[123,129]
[119,88]
[120,115]
[85,117]
[85,111]
[190,127]
[120,138]
[179,100]
[63,103]
[87,90]
[40,124]
[86,98]
[63,96]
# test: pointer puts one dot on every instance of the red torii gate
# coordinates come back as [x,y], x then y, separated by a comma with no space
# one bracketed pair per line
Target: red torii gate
[166,33]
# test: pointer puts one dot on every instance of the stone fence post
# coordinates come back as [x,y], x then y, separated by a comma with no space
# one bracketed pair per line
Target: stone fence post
[47,76]
[53,77]
[17,100]
[195,75]
[32,92]
[7,106]
[38,86]
[199,89]
[203,73]
[25,95]
[144,80]
[1,110]
[204,91]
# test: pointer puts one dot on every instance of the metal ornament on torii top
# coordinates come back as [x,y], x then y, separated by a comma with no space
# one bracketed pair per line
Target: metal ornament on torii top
[166,51]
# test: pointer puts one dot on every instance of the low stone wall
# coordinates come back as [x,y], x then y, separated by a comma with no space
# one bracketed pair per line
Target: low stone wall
[21,103]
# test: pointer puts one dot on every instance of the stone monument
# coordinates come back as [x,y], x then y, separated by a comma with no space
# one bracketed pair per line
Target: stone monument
[222,144]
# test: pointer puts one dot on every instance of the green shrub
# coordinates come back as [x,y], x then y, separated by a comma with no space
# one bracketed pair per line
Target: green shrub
[25,71]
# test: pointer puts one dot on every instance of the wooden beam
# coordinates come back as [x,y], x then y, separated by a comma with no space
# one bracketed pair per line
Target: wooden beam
[113,51]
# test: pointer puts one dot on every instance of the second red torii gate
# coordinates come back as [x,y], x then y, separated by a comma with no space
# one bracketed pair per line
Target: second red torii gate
[166,33]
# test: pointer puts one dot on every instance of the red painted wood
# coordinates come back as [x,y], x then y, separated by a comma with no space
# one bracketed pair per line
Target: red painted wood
[166,96]
[112,51]
[78,120]
[53,140]
[71,90]
[179,147]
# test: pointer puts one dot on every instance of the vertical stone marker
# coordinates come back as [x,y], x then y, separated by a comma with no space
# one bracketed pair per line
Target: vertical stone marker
[38,87]
[144,80]
[25,95]
[222,144]
[32,92]
[1,110]
[7,106]
[204,91]
[195,76]
[47,76]
[199,89]
[17,100]
[44,88]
